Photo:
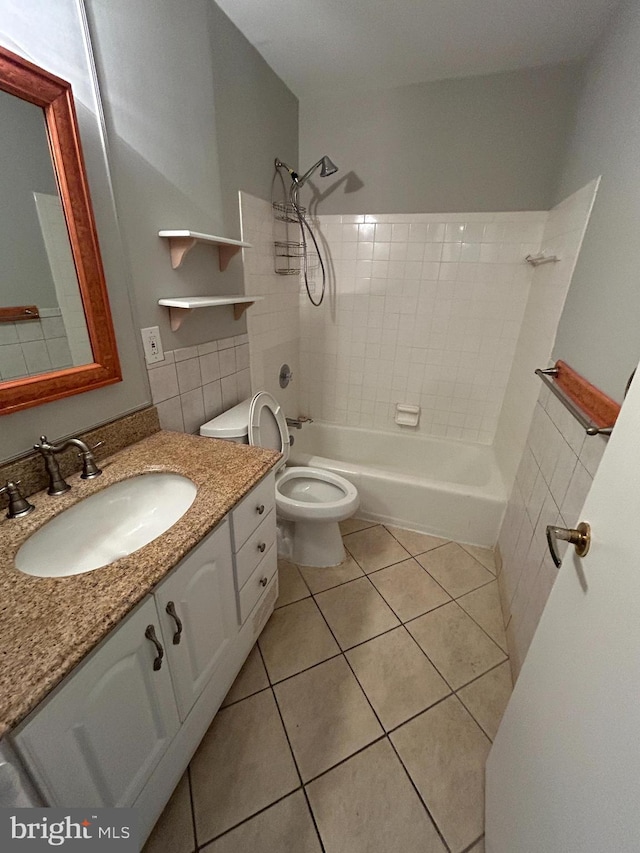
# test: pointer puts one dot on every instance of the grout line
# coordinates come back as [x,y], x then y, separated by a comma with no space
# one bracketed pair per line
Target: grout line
[420,713]
[473,844]
[473,619]
[286,734]
[193,808]
[248,818]
[344,760]
[427,612]
[419,795]
[248,696]
[420,553]
[264,663]
[438,670]
[306,669]
[313,818]
[478,677]
[385,735]
[287,603]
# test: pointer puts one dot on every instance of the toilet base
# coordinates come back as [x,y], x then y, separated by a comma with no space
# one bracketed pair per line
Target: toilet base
[317,543]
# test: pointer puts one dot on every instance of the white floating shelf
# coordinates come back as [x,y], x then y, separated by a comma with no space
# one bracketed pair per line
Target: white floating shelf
[181,242]
[180,306]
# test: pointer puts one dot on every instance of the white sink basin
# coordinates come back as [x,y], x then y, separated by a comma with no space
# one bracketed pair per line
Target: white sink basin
[106,526]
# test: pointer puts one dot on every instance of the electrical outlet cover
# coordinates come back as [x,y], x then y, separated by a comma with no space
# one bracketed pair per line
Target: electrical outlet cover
[152,344]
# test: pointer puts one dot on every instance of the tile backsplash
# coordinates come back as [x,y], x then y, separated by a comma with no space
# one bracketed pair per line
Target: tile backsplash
[425,309]
[194,384]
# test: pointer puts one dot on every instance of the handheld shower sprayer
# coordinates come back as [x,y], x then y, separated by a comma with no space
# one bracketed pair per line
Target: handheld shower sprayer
[327,167]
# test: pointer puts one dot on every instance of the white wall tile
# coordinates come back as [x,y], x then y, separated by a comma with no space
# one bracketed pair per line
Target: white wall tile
[164,383]
[188,375]
[170,414]
[431,305]
[550,487]
[192,410]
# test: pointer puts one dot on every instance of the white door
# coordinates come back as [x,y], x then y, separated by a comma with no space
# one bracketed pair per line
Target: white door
[563,775]
[197,612]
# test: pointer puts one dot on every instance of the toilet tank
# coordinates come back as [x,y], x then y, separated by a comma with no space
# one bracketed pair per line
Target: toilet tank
[232,425]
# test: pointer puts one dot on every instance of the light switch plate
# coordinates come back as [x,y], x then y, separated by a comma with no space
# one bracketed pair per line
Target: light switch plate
[152,344]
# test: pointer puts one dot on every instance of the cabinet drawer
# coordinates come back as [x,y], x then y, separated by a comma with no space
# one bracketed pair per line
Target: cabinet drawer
[257,583]
[255,548]
[251,510]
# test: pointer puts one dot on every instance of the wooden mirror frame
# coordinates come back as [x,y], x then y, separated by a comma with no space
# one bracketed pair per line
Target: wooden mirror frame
[30,83]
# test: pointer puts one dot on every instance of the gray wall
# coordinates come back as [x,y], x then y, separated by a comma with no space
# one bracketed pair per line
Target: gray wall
[25,168]
[474,144]
[53,36]
[194,114]
[598,332]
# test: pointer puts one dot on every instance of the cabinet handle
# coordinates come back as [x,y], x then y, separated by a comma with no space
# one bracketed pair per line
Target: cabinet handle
[171,610]
[264,581]
[150,634]
[260,509]
[261,547]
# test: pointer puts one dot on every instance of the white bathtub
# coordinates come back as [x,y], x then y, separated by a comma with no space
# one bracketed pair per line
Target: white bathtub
[447,488]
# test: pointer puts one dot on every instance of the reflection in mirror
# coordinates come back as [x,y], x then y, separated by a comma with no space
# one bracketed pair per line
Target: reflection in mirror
[56,332]
[42,323]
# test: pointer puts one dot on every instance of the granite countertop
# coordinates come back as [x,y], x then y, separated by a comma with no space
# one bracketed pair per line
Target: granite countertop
[47,625]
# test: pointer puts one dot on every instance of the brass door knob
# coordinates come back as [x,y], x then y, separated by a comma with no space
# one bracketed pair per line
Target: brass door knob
[580,537]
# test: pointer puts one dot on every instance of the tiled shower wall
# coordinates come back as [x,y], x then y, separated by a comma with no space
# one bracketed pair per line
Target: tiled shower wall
[558,460]
[563,235]
[273,323]
[552,482]
[424,309]
[34,346]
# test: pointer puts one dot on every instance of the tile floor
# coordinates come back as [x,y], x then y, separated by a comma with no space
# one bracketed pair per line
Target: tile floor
[362,719]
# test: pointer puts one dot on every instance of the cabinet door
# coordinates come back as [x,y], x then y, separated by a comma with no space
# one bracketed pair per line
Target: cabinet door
[197,611]
[97,740]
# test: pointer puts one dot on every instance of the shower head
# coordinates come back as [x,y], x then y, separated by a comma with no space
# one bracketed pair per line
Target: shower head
[327,167]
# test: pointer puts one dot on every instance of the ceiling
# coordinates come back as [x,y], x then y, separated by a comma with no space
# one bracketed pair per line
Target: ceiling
[331,46]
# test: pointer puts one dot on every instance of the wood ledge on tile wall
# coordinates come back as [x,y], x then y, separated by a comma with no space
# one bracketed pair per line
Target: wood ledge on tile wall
[594,410]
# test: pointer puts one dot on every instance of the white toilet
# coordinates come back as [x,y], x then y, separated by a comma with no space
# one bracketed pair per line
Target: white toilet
[309,501]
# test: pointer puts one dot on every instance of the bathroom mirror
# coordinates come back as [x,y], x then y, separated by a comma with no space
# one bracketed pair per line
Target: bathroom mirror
[56,332]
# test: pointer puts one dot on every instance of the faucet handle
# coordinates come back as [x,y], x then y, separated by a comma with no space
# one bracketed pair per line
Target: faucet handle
[89,467]
[18,506]
[44,444]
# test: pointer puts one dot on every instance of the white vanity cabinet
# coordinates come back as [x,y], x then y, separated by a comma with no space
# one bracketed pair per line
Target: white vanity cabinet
[122,727]
[196,609]
[96,741]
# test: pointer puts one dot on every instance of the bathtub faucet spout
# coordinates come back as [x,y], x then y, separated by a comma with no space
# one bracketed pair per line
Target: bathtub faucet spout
[297,422]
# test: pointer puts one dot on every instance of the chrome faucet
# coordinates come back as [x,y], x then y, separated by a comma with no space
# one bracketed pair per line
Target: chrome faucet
[57,483]
[297,422]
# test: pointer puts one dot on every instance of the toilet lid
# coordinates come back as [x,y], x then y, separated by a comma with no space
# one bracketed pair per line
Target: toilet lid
[267,425]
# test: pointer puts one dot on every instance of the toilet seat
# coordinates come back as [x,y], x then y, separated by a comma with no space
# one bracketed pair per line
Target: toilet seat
[268,426]
[309,501]
[308,494]
[302,493]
